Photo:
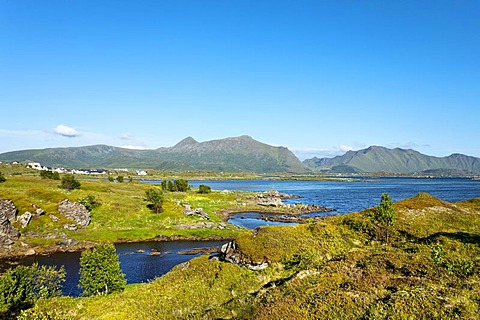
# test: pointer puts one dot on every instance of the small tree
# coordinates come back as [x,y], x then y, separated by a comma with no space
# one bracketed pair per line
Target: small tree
[383,217]
[2,177]
[203,188]
[164,185]
[100,271]
[110,178]
[181,185]
[155,197]
[69,182]
[120,179]
[170,186]
[48,281]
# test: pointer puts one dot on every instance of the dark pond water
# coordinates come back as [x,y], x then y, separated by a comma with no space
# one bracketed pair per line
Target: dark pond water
[136,260]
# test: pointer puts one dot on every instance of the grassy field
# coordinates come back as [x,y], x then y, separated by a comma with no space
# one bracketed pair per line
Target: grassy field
[331,269]
[122,216]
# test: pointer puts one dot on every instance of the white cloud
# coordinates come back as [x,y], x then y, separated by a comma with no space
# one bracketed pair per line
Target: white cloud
[65,131]
[345,148]
[133,147]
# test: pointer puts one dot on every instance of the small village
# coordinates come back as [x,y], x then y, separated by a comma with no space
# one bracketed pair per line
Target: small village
[38,166]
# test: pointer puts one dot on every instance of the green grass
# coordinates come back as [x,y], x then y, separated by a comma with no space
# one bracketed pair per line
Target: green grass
[122,216]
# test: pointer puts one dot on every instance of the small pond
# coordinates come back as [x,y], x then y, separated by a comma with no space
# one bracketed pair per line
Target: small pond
[140,262]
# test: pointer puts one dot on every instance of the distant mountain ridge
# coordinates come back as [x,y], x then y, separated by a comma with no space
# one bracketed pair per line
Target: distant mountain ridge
[245,154]
[402,161]
[236,154]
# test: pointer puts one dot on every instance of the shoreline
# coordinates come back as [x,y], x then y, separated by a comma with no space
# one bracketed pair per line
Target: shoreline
[6,257]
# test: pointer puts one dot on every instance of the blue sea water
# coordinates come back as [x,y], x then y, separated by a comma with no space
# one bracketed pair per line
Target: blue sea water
[356,195]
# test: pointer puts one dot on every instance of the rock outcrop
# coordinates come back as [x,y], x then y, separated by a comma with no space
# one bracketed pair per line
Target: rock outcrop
[230,253]
[8,210]
[272,198]
[189,211]
[8,233]
[75,211]
[8,213]
[25,219]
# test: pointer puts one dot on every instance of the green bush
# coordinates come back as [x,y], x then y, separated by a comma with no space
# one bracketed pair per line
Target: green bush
[47,174]
[203,188]
[21,286]
[90,202]
[155,197]
[69,182]
[2,177]
[100,271]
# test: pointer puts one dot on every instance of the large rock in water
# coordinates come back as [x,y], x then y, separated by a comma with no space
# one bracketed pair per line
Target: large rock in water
[8,213]
[75,211]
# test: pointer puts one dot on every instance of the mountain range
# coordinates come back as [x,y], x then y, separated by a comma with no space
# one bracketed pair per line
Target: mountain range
[400,161]
[244,154]
[237,154]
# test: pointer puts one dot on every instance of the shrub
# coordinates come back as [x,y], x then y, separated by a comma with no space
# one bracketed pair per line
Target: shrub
[47,174]
[2,177]
[120,179]
[100,271]
[69,182]
[203,188]
[21,286]
[90,202]
[155,197]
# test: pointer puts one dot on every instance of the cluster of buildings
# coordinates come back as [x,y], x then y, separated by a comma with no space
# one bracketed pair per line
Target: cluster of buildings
[38,166]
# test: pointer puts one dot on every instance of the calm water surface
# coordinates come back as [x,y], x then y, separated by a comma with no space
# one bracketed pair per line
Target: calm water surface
[347,197]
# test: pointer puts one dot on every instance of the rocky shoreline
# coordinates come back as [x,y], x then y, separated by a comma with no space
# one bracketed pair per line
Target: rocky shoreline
[269,202]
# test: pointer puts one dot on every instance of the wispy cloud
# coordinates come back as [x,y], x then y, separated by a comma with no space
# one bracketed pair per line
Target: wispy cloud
[65,131]
[133,147]
[345,148]
[130,141]
[303,154]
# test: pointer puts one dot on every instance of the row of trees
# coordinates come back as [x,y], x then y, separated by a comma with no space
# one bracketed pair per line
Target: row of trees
[179,185]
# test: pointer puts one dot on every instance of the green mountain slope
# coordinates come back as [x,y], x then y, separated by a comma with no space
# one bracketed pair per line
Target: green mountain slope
[236,154]
[406,161]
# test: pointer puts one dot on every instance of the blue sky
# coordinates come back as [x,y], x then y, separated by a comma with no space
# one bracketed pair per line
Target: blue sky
[319,77]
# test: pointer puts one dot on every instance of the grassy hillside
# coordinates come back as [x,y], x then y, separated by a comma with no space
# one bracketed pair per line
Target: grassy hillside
[331,269]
